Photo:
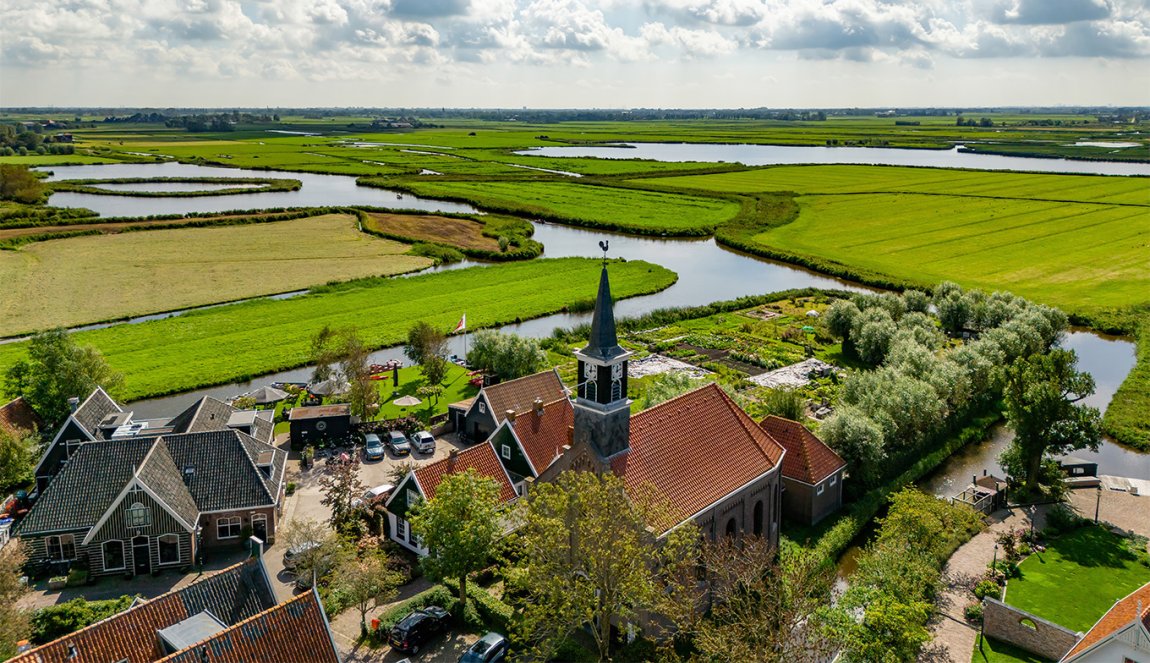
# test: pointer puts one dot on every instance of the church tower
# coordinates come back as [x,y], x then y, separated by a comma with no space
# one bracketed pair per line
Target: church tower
[602,409]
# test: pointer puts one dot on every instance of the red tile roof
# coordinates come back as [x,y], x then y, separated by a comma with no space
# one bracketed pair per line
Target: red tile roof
[233,594]
[695,450]
[1123,614]
[295,631]
[520,394]
[543,436]
[808,458]
[481,458]
[19,415]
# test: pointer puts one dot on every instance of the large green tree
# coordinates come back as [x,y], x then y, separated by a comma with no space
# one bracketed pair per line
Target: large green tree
[366,582]
[509,356]
[591,557]
[18,451]
[14,622]
[1042,393]
[341,487]
[459,527]
[55,370]
[427,347]
[19,184]
[341,353]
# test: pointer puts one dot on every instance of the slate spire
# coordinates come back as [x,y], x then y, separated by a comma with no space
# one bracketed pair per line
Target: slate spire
[604,343]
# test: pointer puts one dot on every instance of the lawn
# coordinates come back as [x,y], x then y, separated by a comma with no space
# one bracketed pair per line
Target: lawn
[994,651]
[1079,256]
[79,280]
[1091,565]
[622,209]
[236,342]
[456,387]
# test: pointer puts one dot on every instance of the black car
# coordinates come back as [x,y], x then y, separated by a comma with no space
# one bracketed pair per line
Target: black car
[491,648]
[414,630]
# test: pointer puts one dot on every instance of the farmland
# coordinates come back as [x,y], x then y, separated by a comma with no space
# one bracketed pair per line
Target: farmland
[80,280]
[580,204]
[236,342]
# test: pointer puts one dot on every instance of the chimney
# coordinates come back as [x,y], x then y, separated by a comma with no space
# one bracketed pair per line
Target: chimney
[539,407]
[453,453]
[510,414]
[73,404]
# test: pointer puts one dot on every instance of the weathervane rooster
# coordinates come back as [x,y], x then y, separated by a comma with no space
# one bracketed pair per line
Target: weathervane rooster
[603,245]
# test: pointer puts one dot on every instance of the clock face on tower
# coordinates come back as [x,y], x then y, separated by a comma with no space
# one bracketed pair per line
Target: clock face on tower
[617,372]
[589,370]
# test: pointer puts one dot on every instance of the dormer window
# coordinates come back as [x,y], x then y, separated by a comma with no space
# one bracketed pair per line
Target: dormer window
[482,408]
[138,515]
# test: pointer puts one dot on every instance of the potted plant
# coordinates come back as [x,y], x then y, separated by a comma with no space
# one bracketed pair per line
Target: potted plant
[57,582]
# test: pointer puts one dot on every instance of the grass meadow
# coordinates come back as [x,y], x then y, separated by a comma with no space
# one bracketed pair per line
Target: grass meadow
[239,341]
[69,282]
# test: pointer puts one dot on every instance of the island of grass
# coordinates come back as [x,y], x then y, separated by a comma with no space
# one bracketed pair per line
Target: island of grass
[484,237]
[176,187]
[239,341]
[1091,564]
[81,280]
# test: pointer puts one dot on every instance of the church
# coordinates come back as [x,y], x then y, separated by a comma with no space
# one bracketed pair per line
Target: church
[706,458]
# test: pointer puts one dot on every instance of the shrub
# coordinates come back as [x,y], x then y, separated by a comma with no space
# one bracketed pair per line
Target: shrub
[504,243]
[492,613]
[987,588]
[1062,519]
[973,612]
[290,488]
[437,595]
[77,577]
[59,620]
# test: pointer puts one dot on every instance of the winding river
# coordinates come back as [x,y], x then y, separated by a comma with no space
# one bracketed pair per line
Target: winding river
[707,271]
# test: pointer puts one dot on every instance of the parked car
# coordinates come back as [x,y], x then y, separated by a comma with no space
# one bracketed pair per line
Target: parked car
[414,630]
[292,555]
[373,494]
[398,443]
[372,447]
[423,442]
[488,649]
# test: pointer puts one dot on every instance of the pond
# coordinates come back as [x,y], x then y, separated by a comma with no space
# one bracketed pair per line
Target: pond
[765,155]
[316,191]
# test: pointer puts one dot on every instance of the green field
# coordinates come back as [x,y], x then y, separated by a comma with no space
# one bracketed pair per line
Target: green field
[623,209]
[1078,256]
[456,387]
[1090,563]
[839,179]
[69,282]
[236,342]
[994,651]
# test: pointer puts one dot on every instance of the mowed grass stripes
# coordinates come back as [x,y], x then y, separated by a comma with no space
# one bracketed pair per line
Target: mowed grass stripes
[236,342]
[1075,255]
[834,179]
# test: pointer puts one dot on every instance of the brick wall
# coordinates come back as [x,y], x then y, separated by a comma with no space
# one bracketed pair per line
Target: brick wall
[1022,629]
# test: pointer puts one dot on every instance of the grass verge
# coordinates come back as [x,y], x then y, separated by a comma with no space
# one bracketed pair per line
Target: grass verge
[240,341]
[995,651]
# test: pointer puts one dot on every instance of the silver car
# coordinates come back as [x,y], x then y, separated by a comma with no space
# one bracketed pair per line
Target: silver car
[397,442]
[423,442]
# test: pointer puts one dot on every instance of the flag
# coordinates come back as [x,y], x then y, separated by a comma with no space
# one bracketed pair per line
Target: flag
[462,326]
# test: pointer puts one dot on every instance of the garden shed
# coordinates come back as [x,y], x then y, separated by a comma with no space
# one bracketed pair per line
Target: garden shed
[319,424]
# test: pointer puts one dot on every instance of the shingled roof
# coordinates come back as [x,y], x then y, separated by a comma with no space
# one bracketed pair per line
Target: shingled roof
[694,450]
[296,630]
[1134,610]
[482,458]
[17,415]
[543,436]
[206,414]
[519,395]
[808,458]
[225,474]
[232,595]
[95,407]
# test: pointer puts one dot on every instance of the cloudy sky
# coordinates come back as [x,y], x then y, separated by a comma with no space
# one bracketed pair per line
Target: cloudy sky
[574,53]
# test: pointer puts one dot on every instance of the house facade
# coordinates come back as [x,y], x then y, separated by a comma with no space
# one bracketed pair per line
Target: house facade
[318,424]
[494,403]
[138,505]
[528,444]
[421,484]
[812,472]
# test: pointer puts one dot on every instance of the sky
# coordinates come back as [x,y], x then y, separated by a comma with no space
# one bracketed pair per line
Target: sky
[574,53]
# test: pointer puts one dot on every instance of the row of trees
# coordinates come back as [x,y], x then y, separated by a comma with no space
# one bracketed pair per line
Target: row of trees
[922,385]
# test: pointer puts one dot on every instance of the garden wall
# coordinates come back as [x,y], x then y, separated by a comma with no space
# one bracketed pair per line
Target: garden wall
[1024,630]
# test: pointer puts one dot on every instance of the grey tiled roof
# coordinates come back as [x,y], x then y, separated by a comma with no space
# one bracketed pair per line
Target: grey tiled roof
[232,597]
[93,410]
[263,429]
[255,449]
[225,476]
[204,415]
[160,473]
[86,487]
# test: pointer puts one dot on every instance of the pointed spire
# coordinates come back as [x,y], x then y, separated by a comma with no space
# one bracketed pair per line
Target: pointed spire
[604,343]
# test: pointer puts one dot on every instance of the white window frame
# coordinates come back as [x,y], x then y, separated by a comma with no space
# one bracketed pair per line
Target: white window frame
[123,555]
[160,550]
[412,497]
[482,407]
[60,538]
[506,451]
[70,447]
[138,515]
[229,521]
[819,489]
[834,479]
[400,529]
[259,516]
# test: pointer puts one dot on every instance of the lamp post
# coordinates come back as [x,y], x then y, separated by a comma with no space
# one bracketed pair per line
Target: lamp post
[1033,512]
[1097,503]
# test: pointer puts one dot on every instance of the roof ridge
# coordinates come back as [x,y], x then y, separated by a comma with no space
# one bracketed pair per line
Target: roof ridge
[741,416]
[667,402]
